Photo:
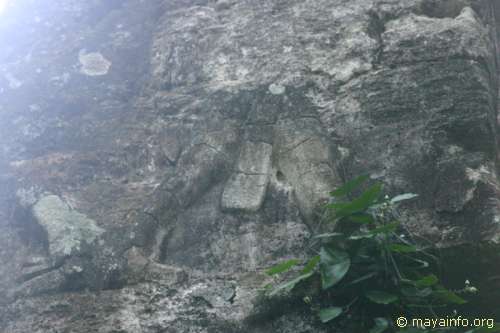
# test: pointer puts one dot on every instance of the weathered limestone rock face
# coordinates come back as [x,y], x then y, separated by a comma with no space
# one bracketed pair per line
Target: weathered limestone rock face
[156,156]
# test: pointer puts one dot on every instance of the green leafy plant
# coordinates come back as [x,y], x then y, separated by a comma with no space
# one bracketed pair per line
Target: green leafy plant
[367,264]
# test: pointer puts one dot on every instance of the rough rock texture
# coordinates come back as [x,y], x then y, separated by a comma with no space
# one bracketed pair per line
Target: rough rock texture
[156,156]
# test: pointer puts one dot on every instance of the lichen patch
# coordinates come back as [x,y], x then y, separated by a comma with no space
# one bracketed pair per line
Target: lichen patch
[66,228]
[93,64]
[276,89]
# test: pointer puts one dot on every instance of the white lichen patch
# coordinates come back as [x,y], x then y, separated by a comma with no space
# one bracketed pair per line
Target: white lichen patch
[120,38]
[194,289]
[93,64]
[468,14]
[344,152]
[482,174]
[60,80]
[27,197]
[454,150]
[320,100]
[66,229]
[476,175]
[276,89]
[349,68]
[14,82]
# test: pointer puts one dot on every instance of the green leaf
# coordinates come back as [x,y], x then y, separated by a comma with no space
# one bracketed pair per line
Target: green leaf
[268,286]
[329,313]
[402,248]
[386,229]
[338,206]
[381,297]
[381,324]
[402,197]
[359,236]
[408,281]
[282,267]
[427,281]
[359,204]
[423,263]
[448,296]
[362,218]
[349,186]
[415,292]
[311,264]
[334,265]
[363,278]
[329,234]
[287,286]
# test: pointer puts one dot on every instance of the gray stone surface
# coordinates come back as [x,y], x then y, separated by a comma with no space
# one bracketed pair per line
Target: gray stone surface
[66,229]
[305,160]
[247,187]
[156,156]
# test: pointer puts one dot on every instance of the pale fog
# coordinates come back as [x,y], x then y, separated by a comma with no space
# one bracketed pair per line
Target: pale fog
[249,166]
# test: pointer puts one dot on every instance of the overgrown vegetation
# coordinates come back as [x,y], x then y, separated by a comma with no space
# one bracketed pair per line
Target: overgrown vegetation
[368,271]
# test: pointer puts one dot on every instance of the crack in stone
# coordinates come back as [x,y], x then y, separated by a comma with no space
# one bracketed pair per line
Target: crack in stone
[375,30]
[29,276]
[217,150]
[296,146]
